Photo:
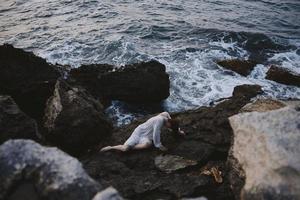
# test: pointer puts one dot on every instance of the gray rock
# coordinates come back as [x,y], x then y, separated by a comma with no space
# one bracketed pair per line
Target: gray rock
[14,123]
[109,193]
[171,163]
[74,120]
[28,168]
[266,145]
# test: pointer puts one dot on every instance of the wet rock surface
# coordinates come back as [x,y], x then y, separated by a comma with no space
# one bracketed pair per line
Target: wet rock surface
[242,67]
[283,76]
[27,78]
[171,163]
[14,123]
[74,120]
[266,151]
[31,170]
[142,82]
[207,142]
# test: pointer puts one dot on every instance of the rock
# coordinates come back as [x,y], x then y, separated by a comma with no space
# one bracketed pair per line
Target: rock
[14,123]
[38,172]
[266,145]
[171,163]
[109,193]
[27,78]
[263,105]
[246,91]
[142,82]
[74,120]
[283,76]
[135,175]
[259,46]
[242,67]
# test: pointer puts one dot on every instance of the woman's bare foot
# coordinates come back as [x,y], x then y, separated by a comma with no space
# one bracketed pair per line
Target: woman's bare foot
[105,149]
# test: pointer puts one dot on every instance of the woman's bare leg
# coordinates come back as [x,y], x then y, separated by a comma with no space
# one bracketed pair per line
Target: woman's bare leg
[142,146]
[121,147]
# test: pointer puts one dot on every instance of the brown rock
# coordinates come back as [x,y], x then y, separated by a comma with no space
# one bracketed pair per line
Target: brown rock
[263,105]
[283,76]
[242,67]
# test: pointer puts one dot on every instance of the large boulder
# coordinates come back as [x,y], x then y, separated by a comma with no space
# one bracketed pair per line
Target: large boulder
[242,67]
[27,78]
[283,76]
[14,123]
[136,175]
[142,82]
[266,152]
[31,171]
[74,120]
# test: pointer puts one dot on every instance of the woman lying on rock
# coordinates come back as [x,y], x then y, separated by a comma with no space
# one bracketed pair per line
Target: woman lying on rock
[147,133]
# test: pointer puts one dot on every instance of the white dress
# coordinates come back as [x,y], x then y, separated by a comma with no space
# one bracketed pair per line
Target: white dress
[149,131]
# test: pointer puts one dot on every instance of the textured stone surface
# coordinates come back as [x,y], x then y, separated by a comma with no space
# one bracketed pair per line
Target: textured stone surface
[242,67]
[141,82]
[263,105]
[266,146]
[14,123]
[74,120]
[38,172]
[171,163]
[282,75]
[208,140]
[27,78]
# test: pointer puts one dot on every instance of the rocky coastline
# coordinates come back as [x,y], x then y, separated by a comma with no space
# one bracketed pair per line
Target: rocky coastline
[52,124]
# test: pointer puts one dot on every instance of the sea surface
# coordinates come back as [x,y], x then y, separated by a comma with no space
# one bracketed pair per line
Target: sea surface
[188,36]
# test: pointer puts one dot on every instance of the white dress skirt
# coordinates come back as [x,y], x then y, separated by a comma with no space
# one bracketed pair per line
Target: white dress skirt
[149,131]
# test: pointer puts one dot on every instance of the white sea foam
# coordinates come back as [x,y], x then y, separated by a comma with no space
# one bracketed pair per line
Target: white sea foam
[289,60]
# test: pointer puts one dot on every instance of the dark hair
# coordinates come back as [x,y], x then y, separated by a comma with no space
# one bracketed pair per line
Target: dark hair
[174,125]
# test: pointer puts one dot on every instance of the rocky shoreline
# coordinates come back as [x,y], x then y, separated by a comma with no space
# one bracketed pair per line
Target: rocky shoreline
[40,104]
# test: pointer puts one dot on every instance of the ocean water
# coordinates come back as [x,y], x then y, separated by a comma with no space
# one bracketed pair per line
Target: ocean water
[188,36]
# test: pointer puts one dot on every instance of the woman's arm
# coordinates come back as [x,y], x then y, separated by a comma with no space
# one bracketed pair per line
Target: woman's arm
[156,135]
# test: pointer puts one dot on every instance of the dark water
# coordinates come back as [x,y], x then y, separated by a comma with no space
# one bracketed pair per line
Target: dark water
[187,36]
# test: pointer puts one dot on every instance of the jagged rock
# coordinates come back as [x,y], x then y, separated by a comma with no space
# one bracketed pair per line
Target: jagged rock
[259,46]
[109,193]
[31,170]
[242,67]
[266,146]
[246,91]
[27,78]
[142,82]
[283,76]
[171,163]
[74,120]
[208,138]
[263,105]
[14,123]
